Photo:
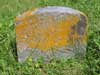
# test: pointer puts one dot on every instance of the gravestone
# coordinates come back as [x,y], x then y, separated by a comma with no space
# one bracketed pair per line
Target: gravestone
[51,32]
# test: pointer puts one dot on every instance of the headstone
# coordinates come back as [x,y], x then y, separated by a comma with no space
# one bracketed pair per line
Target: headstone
[51,32]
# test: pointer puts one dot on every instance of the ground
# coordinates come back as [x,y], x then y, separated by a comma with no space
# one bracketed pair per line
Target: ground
[9,9]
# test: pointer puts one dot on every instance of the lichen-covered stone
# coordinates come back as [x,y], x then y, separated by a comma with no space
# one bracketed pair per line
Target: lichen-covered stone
[49,32]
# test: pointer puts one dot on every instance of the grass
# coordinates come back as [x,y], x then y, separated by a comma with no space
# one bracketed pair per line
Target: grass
[9,9]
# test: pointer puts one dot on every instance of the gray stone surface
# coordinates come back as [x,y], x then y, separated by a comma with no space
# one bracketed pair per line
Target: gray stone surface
[50,32]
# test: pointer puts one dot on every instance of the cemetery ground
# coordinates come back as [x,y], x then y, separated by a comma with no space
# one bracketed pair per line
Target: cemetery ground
[9,9]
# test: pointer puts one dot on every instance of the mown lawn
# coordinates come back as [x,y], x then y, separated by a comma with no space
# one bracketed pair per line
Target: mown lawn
[9,9]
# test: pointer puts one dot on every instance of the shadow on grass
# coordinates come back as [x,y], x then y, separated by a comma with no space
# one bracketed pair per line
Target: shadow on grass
[13,45]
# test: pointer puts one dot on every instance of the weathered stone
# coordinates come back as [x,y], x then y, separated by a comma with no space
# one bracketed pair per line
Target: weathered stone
[49,32]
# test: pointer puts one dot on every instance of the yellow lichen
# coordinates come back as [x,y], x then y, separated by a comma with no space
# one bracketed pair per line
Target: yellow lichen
[45,39]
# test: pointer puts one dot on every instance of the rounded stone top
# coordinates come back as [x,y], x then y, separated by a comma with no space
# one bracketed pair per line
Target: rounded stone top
[54,10]
[57,9]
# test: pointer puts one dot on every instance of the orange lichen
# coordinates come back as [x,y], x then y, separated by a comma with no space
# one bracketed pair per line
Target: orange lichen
[44,39]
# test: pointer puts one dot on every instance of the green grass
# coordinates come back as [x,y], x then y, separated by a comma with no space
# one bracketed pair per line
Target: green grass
[9,9]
